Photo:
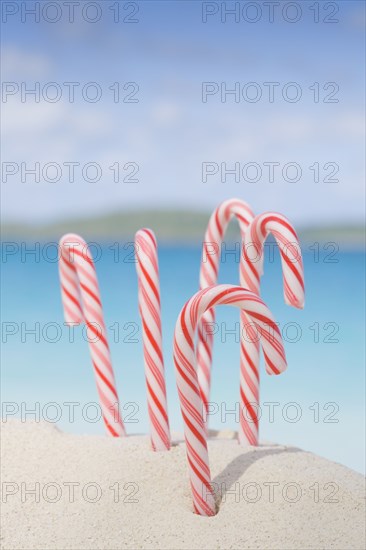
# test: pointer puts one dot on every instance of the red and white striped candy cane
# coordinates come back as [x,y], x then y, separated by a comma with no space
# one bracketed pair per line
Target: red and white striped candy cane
[149,307]
[251,270]
[187,381]
[81,302]
[291,259]
[214,235]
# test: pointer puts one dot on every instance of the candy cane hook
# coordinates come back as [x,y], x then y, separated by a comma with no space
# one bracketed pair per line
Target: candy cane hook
[187,381]
[149,308]
[290,251]
[81,302]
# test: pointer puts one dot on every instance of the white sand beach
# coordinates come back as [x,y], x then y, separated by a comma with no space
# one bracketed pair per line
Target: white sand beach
[276,497]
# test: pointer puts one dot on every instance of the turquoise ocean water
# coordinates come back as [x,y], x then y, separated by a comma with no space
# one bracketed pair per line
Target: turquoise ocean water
[317,404]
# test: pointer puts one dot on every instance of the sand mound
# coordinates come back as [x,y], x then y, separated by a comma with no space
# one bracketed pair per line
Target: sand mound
[98,492]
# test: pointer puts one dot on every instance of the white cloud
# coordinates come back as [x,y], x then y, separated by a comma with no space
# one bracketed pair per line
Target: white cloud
[18,64]
[166,113]
[45,130]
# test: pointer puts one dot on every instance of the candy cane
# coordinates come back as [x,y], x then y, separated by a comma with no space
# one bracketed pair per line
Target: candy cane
[216,229]
[149,307]
[251,271]
[81,302]
[187,381]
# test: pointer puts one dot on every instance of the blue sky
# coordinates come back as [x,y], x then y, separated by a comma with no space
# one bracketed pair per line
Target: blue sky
[170,132]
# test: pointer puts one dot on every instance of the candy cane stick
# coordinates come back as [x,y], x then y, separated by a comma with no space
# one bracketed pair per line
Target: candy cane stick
[81,302]
[214,235]
[251,270]
[149,307]
[188,387]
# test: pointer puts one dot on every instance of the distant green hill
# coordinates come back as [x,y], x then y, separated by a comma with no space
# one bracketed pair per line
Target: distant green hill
[170,226]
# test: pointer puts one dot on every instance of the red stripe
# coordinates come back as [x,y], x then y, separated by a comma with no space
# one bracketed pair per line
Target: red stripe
[91,293]
[182,373]
[151,339]
[249,361]
[110,427]
[157,402]
[185,330]
[71,297]
[253,414]
[267,218]
[105,380]
[150,282]
[97,333]
[194,430]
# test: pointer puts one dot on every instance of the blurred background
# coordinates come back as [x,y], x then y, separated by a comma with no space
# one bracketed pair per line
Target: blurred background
[117,115]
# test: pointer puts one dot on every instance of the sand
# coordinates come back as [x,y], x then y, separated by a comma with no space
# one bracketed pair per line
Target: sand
[153,508]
